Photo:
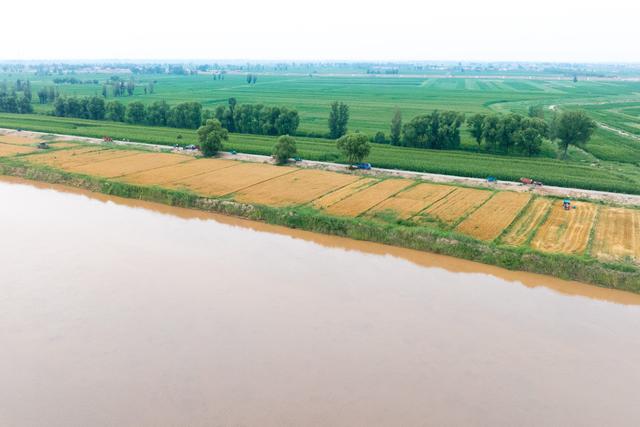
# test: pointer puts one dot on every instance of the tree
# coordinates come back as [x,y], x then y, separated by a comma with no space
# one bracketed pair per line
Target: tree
[185,115]
[96,108]
[476,127]
[231,117]
[436,130]
[529,137]
[249,77]
[135,112]
[490,130]
[379,138]
[284,149]
[396,128]
[574,128]
[131,86]
[104,91]
[211,136]
[115,111]
[536,111]
[254,79]
[338,119]
[287,122]
[354,146]
[507,127]
[157,113]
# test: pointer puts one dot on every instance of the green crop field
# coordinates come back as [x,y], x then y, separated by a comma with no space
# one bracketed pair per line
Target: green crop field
[607,176]
[609,161]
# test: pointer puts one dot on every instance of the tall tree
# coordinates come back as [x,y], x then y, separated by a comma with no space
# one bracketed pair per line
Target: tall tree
[115,111]
[574,128]
[135,112]
[338,119]
[211,137]
[396,128]
[354,146]
[476,127]
[284,149]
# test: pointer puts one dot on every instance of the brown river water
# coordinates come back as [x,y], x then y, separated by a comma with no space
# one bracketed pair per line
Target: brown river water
[124,313]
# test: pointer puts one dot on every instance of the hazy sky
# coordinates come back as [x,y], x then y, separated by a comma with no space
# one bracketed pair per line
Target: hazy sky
[486,30]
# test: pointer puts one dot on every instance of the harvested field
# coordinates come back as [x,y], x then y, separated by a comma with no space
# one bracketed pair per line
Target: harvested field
[566,231]
[19,140]
[10,150]
[169,174]
[617,235]
[524,226]
[128,164]
[62,144]
[408,203]
[344,192]
[58,158]
[457,203]
[229,180]
[493,217]
[295,188]
[364,200]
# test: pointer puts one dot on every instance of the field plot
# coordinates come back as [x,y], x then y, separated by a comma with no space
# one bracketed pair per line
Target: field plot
[617,235]
[493,217]
[124,165]
[524,226]
[59,158]
[229,180]
[169,174]
[566,231]
[19,140]
[295,188]
[457,203]
[62,144]
[342,193]
[408,203]
[364,200]
[10,150]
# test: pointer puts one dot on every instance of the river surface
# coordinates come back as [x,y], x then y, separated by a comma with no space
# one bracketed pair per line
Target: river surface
[123,313]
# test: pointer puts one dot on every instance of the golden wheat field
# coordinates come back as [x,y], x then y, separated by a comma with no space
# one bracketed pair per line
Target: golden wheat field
[177,172]
[229,180]
[450,208]
[617,234]
[409,202]
[127,164]
[19,140]
[299,187]
[566,231]
[342,193]
[10,150]
[366,199]
[524,226]
[492,218]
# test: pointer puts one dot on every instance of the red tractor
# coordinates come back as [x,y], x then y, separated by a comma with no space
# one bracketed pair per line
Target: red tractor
[107,139]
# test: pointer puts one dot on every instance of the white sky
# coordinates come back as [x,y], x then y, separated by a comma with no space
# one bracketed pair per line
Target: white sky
[483,30]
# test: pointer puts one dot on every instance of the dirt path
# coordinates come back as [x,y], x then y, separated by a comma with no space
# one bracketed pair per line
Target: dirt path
[576,193]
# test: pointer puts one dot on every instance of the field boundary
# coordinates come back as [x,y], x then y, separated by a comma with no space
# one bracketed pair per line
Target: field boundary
[570,267]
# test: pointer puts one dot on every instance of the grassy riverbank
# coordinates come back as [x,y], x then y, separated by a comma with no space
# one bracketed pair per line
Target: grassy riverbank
[573,267]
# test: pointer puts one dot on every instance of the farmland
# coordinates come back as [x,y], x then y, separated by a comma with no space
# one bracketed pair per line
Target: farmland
[609,162]
[589,174]
[514,219]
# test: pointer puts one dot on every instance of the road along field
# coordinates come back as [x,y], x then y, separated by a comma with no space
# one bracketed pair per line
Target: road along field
[505,218]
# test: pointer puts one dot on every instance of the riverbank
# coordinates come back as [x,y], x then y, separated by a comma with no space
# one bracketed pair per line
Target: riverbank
[446,242]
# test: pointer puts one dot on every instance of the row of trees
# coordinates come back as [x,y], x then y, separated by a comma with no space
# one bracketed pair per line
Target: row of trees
[13,102]
[185,115]
[508,132]
[47,94]
[257,119]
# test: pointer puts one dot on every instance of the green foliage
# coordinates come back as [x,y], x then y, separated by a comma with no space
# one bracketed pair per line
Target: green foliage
[396,128]
[437,130]
[354,146]
[476,126]
[284,149]
[574,128]
[211,136]
[115,111]
[135,113]
[338,119]
[536,111]
[258,119]
[380,138]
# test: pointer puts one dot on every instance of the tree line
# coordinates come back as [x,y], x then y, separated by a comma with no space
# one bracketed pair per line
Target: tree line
[257,119]
[13,102]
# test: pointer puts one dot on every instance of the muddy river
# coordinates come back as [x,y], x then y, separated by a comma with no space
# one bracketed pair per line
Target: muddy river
[123,313]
